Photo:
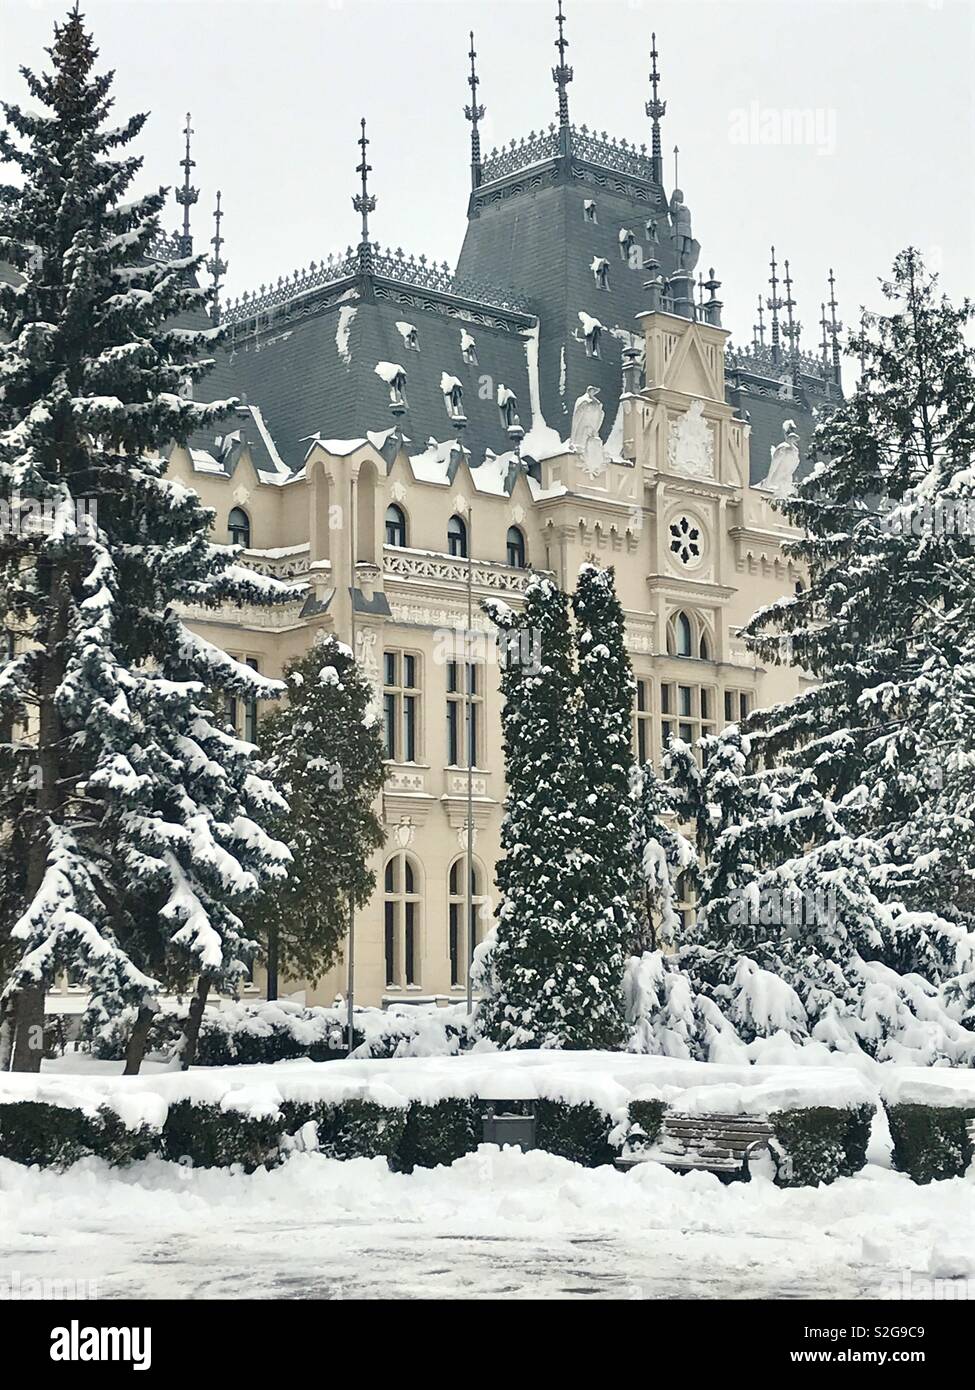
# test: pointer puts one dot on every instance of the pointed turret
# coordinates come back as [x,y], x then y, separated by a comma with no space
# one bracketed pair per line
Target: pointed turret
[836,327]
[364,203]
[216,265]
[187,195]
[474,114]
[793,327]
[774,303]
[562,76]
[656,110]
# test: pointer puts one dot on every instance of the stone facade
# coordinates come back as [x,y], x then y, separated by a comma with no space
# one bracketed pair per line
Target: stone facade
[696,549]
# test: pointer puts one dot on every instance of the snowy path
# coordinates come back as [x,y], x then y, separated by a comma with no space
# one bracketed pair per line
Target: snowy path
[494,1225]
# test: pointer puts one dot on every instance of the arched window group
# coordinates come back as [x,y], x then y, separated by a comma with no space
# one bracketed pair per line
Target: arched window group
[687,636]
[397,533]
[402,919]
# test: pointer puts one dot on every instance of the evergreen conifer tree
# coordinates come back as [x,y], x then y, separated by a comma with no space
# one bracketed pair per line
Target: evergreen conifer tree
[324,751]
[553,977]
[142,816]
[608,815]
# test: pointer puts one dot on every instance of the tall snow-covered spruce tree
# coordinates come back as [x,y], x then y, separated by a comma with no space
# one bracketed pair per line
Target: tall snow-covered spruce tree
[553,977]
[141,815]
[609,778]
[324,750]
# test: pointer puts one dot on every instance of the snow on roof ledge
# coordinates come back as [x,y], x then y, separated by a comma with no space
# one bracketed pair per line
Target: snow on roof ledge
[340,448]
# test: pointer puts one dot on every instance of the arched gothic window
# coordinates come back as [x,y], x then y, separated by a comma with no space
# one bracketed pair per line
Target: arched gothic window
[457,537]
[401,920]
[239,527]
[395,525]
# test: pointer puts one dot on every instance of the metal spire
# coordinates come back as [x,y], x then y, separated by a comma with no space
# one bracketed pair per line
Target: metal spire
[676,179]
[655,109]
[793,328]
[474,113]
[775,304]
[758,329]
[562,75]
[824,347]
[836,326]
[187,195]
[216,265]
[364,203]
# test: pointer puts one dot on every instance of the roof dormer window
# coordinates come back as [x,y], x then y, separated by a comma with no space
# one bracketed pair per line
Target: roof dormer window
[592,332]
[408,332]
[453,395]
[468,348]
[589,211]
[600,271]
[508,406]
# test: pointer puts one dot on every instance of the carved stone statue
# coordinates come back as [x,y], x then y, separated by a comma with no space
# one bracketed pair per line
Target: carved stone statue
[784,463]
[587,421]
[686,247]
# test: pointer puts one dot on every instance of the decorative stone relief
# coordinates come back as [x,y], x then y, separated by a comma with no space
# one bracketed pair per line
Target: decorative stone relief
[690,447]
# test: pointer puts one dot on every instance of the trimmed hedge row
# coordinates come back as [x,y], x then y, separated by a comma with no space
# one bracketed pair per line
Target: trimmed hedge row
[820,1144]
[417,1136]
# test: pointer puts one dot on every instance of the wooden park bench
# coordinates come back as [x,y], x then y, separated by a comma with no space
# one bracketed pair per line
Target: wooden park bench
[722,1144]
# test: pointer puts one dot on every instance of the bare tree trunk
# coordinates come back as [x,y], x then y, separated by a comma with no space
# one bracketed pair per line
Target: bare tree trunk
[193,1020]
[138,1039]
[6,1034]
[272,961]
[28,1030]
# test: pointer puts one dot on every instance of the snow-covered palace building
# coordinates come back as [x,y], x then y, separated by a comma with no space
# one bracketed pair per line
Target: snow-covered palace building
[568,395]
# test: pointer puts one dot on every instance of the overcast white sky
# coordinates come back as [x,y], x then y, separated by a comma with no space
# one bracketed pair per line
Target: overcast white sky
[277,88]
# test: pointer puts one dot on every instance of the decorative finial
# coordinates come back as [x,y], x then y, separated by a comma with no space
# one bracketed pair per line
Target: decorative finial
[364,203]
[676,176]
[655,109]
[713,306]
[793,327]
[775,304]
[474,113]
[758,329]
[562,75]
[836,326]
[216,265]
[824,346]
[187,195]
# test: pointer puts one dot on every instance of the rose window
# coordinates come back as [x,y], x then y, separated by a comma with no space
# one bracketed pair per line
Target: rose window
[685,540]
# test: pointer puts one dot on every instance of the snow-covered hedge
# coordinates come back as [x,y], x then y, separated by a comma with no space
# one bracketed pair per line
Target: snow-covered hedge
[245,1034]
[423,1112]
[931,1141]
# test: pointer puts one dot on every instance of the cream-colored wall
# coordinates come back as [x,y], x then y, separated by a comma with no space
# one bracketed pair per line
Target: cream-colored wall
[620,516]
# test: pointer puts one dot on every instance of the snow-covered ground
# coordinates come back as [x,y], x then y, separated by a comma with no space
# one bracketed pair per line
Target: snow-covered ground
[497,1223]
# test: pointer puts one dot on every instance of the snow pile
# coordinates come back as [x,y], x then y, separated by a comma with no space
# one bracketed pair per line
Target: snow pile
[272,1031]
[518,1225]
